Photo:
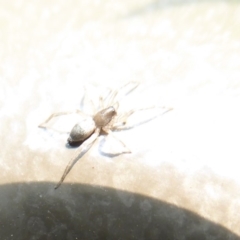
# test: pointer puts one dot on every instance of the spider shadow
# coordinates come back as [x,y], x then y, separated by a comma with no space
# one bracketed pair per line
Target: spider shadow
[73,145]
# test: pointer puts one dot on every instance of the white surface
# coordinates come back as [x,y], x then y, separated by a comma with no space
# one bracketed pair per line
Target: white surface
[189,53]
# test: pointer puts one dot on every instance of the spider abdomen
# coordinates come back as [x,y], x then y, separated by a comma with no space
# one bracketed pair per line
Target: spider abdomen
[82,130]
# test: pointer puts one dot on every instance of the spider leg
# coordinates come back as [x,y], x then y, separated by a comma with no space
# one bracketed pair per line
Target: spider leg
[116,105]
[122,92]
[131,88]
[101,102]
[80,152]
[43,125]
[121,120]
[110,98]
[109,132]
[87,99]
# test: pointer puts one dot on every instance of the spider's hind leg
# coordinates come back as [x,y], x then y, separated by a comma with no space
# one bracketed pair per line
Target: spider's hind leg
[110,134]
[43,125]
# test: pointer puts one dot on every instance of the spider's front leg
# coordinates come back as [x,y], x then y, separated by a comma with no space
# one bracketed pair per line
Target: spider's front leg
[117,95]
[121,121]
[80,152]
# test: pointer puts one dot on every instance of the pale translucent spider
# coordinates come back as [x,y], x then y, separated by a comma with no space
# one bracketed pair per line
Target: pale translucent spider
[104,121]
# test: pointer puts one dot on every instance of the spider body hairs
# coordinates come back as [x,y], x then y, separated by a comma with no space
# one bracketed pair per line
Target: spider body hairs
[106,120]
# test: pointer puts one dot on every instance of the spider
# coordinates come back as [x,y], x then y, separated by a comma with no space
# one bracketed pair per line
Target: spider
[103,122]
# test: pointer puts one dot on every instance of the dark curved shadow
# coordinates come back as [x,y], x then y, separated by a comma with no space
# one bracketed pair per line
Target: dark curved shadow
[76,211]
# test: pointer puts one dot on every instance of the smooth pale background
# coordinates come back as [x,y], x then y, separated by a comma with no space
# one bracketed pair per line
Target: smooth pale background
[189,51]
